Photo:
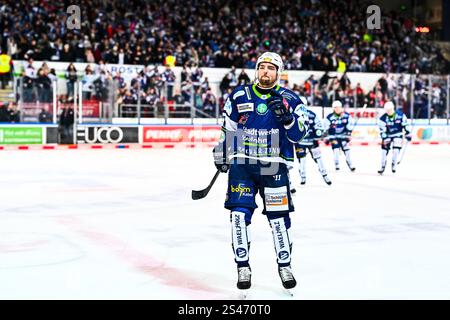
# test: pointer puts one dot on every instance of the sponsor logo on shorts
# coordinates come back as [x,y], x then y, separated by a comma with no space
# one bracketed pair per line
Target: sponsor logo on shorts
[242,190]
[276,199]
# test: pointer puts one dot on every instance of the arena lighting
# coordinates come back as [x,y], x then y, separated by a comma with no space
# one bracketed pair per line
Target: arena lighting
[423,29]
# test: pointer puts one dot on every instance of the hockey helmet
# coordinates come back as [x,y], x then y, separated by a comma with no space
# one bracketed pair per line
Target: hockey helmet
[337,106]
[389,107]
[273,58]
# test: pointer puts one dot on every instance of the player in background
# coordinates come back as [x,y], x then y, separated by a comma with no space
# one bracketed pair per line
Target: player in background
[261,123]
[339,126]
[311,144]
[392,124]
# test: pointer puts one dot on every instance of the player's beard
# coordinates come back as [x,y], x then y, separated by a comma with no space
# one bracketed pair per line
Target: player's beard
[266,82]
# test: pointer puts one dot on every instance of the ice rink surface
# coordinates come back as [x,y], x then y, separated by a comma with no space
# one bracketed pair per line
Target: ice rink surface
[120,224]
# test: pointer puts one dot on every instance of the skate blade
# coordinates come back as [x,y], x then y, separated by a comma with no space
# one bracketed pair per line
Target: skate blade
[289,292]
[243,294]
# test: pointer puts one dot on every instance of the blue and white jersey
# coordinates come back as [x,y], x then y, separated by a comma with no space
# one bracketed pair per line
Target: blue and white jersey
[315,130]
[251,130]
[393,126]
[339,126]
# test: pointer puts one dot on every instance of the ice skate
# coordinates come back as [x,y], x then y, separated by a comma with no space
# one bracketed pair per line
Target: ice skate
[352,168]
[303,180]
[287,278]
[381,171]
[326,179]
[394,167]
[244,278]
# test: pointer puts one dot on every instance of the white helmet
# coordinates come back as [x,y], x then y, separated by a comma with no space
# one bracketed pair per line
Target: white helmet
[389,107]
[337,106]
[273,58]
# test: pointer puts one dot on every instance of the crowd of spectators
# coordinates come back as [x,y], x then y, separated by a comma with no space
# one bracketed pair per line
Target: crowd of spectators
[153,88]
[310,35]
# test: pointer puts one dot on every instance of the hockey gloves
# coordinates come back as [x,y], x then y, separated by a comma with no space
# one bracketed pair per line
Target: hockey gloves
[408,137]
[220,160]
[280,108]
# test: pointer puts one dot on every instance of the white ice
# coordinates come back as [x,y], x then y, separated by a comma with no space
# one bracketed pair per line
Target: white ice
[120,224]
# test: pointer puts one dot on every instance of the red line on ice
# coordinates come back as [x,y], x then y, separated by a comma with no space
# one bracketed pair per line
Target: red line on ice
[141,261]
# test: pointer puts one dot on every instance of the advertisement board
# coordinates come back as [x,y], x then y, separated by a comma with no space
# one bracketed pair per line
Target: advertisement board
[107,134]
[21,135]
[175,134]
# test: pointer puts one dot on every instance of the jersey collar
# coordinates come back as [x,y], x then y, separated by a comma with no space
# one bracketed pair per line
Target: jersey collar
[263,96]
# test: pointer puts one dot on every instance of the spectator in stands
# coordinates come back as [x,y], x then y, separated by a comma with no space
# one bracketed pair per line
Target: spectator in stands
[71,78]
[168,78]
[45,116]
[65,124]
[243,78]
[4,115]
[28,81]
[13,113]
[88,83]
[44,86]
[209,103]
[6,68]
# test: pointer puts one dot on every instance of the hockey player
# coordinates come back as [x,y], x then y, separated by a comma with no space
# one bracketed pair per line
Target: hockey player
[339,126]
[392,124]
[262,122]
[311,144]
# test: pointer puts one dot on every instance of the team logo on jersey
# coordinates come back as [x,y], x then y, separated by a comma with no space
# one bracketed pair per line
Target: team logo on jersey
[245,107]
[261,109]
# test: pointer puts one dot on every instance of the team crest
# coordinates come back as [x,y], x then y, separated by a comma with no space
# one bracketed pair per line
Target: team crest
[261,109]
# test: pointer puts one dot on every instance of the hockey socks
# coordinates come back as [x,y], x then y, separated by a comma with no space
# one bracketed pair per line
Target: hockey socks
[241,238]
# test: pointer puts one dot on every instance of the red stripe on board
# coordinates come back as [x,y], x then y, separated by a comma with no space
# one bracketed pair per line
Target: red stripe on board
[73,146]
[364,143]
[48,147]
[23,147]
[1,148]
[169,146]
[415,142]
[96,147]
[434,142]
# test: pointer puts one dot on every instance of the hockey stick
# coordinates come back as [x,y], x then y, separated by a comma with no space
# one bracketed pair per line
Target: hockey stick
[403,153]
[200,194]
[407,142]
[360,114]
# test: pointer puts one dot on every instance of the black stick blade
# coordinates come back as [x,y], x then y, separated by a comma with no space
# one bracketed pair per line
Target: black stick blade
[199,194]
